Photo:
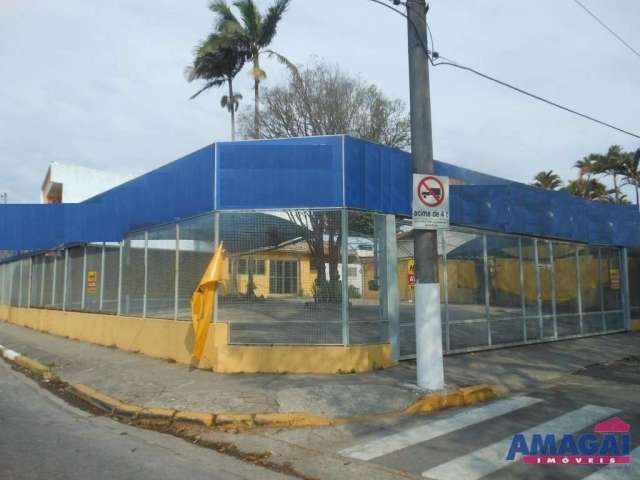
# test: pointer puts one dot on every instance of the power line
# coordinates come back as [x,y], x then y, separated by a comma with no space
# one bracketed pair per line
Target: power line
[534,96]
[607,28]
[448,62]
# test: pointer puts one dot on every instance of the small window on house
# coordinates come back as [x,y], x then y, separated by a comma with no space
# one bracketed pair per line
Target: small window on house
[258,267]
[353,271]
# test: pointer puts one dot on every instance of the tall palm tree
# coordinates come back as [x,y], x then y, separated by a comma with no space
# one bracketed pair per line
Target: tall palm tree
[231,102]
[548,180]
[217,61]
[254,32]
[610,164]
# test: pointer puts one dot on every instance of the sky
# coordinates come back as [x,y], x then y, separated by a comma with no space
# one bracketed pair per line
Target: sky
[102,84]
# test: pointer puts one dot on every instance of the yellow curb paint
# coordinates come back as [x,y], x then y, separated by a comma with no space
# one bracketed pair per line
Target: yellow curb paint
[199,418]
[291,419]
[155,413]
[95,397]
[230,419]
[477,393]
[127,410]
[33,366]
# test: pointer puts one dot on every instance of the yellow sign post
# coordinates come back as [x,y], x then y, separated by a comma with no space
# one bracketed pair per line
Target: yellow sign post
[92,282]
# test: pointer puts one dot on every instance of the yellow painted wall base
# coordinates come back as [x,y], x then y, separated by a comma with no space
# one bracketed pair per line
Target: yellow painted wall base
[635,325]
[173,340]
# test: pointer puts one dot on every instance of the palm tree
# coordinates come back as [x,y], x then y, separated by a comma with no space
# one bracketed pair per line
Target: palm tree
[589,189]
[231,102]
[631,172]
[610,164]
[548,180]
[218,61]
[585,167]
[253,32]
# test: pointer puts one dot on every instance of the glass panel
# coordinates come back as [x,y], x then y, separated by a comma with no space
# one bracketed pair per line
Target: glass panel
[93,278]
[592,320]
[36,280]
[530,284]
[196,244]
[110,278]
[47,292]
[545,272]
[297,298]
[566,284]
[60,276]
[74,278]
[161,272]
[505,300]
[466,289]
[611,288]
[366,286]
[133,275]
[634,282]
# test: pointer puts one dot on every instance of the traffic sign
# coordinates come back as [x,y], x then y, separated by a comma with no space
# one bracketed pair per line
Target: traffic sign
[430,202]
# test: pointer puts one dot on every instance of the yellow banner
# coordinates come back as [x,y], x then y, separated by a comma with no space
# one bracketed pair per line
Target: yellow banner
[203,299]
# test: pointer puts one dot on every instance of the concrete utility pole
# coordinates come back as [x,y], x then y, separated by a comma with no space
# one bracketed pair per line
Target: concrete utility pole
[3,198]
[430,371]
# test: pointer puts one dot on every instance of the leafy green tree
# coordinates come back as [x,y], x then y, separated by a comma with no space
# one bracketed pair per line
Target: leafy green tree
[217,61]
[548,180]
[254,32]
[323,100]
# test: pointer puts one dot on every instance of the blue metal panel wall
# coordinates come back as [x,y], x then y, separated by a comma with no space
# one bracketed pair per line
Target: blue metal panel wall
[532,211]
[379,178]
[296,173]
[181,188]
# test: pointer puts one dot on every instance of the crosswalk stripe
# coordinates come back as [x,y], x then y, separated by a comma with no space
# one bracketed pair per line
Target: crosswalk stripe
[493,457]
[619,472]
[413,436]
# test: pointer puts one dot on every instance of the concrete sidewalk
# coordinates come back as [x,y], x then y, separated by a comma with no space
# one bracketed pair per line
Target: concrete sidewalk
[145,381]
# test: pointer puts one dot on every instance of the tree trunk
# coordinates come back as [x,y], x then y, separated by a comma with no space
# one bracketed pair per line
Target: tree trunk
[637,197]
[615,188]
[256,92]
[232,109]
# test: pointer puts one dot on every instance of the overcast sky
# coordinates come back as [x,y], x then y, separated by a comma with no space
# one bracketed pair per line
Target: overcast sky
[101,83]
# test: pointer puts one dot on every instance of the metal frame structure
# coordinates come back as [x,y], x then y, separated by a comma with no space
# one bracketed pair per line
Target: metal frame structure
[385,237]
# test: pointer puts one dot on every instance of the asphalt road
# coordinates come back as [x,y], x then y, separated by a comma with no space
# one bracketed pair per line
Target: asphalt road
[41,437]
[472,443]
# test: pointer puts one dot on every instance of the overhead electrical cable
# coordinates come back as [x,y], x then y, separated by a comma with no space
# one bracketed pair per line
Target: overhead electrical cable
[607,28]
[435,56]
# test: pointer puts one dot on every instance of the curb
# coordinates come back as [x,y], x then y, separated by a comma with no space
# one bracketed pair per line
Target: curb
[430,402]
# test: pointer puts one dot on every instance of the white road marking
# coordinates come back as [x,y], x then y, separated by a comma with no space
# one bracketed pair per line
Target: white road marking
[489,459]
[413,436]
[619,472]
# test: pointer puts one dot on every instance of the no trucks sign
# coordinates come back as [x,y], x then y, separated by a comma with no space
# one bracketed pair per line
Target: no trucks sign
[430,202]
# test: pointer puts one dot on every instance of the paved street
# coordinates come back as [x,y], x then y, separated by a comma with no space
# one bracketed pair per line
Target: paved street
[468,444]
[43,438]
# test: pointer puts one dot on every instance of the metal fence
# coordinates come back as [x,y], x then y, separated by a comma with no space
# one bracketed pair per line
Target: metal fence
[318,277]
[502,290]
